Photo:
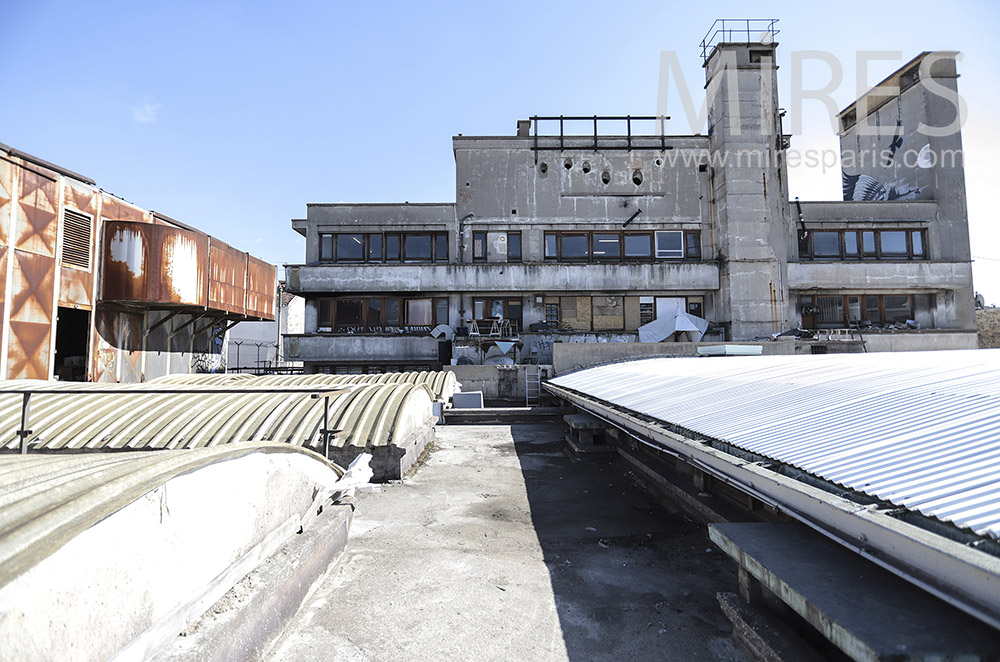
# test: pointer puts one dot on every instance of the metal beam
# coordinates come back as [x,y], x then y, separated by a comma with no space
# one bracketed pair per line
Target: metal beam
[185,325]
[163,321]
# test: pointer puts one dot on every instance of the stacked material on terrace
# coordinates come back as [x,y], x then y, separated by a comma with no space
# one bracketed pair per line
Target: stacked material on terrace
[442,384]
[114,554]
[904,442]
[392,421]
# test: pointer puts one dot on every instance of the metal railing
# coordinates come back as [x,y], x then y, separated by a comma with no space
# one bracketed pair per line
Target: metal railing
[594,122]
[739,31]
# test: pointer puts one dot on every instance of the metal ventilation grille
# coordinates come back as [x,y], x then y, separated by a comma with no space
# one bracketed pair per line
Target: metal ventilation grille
[75,240]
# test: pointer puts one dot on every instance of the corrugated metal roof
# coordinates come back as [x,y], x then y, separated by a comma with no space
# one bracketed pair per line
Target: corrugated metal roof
[104,418]
[441,383]
[920,430]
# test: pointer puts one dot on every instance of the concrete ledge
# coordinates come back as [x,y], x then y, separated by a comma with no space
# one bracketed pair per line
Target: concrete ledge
[501,415]
[251,615]
[865,611]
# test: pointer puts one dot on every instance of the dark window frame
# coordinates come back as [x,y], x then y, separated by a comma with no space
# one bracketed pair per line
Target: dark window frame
[440,249]
[690,246]
[809,245]
[511,257]
[864,309]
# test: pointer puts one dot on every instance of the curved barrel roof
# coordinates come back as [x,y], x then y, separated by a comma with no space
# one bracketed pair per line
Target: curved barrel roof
[441,383]
[68,416]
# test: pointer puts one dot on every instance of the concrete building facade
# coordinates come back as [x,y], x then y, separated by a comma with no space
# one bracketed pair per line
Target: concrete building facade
[561,236]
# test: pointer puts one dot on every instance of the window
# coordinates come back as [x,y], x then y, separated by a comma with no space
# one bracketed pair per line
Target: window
[441,247]
[552,313]
[513,246]
[607,246]
[550,246]
[669,244]
[392,248]
[326,247]
[574,247]
[846,310]
[440,311]
[638,245]
[647,310]
[418,312]
[864,244]
[348,312]
[826,244]
[417,248]
[478,246]
[392,312]
[350,247]
[375,248]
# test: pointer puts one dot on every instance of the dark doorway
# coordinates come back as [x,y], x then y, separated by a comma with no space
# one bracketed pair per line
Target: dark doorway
[72,340]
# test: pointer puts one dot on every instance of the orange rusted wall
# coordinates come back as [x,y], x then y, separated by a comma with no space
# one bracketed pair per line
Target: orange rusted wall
[154,264]
[260,288]
[227,275]
[34,224]
[153,267]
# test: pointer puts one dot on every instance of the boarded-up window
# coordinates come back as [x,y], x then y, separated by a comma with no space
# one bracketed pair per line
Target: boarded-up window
[75,240]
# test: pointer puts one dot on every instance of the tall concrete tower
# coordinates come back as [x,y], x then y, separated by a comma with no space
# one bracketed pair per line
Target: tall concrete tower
[749,187]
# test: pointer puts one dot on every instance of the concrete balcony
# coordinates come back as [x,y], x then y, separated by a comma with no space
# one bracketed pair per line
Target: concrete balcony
[360,348]
[506,277]
[839,275]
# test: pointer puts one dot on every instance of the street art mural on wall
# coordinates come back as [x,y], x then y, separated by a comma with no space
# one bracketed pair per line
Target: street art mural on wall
[892,159]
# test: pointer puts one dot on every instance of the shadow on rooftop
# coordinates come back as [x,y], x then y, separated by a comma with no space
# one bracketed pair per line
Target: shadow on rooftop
[630,579]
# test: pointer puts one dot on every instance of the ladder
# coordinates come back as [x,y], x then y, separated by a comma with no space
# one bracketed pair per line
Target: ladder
[532,385]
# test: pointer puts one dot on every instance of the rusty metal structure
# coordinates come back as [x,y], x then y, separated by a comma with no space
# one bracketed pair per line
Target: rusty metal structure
[95,288]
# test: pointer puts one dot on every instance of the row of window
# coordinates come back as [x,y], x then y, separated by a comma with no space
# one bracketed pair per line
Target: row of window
[373,313]
[384,247]
[845,310]
[617,246]
[864,245]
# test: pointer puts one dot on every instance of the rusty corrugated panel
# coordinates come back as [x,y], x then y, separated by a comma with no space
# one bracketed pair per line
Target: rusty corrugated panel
[76,285]
[32,300]
[226,278]
[30,316]
[6,198]
[115,209]
[154,264]
[260,288]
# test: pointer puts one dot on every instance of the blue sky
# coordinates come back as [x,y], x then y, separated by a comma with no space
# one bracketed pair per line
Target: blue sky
[231,116]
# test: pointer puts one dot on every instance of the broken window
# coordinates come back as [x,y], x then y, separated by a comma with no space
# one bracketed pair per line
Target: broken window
[552,313]
[647,310]
[846,310]
[440,311]
[350,247]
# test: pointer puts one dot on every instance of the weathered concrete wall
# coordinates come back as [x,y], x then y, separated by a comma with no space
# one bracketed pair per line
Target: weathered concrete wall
[487,378]
[569,357]
[879,276]
[916,341]
[361,348]
[516,278]
[988,322]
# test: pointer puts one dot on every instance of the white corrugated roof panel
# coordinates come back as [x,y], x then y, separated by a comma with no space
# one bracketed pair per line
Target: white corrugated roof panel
[920,430]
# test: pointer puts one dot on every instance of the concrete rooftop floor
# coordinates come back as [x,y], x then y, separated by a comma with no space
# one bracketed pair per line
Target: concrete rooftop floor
[501,547]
